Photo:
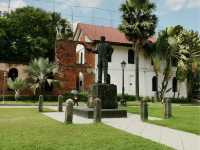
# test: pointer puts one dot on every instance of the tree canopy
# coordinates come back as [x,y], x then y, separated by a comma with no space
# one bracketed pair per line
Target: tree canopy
[29,33]
[138,20]
[138,24]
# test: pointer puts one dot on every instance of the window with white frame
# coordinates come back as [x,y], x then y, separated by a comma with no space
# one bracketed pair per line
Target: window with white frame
[80,50]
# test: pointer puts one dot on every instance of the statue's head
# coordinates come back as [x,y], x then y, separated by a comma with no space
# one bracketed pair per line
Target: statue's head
[103,38]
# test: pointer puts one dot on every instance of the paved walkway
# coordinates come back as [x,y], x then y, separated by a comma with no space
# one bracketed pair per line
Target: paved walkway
[132,124]
[173,138]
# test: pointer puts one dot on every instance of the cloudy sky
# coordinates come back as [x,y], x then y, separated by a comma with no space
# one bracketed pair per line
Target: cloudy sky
[106,12]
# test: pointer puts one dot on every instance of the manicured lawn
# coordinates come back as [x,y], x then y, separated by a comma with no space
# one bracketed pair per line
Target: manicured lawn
[185,117]
[28,102]
[26,129]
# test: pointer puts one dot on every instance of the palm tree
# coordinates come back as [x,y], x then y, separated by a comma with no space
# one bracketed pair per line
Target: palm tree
[17,85]
[138,24]
[41,72]
[151,52]
[168,46]
[189,42]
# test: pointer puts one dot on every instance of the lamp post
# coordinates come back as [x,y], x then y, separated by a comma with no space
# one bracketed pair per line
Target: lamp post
[4,83]
[123,65]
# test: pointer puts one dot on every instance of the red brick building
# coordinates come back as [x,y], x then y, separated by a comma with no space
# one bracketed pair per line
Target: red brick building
[76,62]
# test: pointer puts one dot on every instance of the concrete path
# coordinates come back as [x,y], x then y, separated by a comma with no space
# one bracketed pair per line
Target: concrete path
[132,124]
[173,138]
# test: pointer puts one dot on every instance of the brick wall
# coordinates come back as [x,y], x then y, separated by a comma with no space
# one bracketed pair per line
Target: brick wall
[69,69]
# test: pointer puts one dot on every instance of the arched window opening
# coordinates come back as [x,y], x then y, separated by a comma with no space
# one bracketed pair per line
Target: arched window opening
[154,84]
[13,73]
[174,85]
[80,54]
[81,58]
[49,87]
[81,82]
[131,57]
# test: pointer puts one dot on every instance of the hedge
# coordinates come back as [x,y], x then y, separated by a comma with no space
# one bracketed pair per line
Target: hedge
[28,98]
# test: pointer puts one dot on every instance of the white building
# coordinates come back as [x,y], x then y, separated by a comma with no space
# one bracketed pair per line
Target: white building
[123,51]
[3,10]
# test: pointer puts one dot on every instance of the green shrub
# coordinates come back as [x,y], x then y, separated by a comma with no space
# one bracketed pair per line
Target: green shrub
[127,97]
[29,98]
[83,97]
[180,100]
[22,98]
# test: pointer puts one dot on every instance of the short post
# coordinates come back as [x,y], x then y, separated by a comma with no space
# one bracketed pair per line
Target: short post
[60,103]
[144,110]
[69,111]
[40,104]
[167,109]
[97,110]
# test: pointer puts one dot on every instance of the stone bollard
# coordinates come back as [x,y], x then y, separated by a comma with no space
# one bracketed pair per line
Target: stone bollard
[97,110]
[144,110]
[167,109]
[69,111]
[60,103]
[40,104]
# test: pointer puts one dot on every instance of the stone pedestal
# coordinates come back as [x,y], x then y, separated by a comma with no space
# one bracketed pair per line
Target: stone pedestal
[107,93]
[105,113]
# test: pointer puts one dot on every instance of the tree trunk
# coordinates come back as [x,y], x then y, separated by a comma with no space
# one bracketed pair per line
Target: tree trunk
[165,80]
[157,91]
[17,95]
[137,71]
[189,89]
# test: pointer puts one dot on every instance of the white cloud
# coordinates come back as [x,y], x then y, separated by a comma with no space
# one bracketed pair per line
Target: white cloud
[18,4]
[90,3]
[3,6]
[177,5]
[14,4]
[84,3]
[194,3]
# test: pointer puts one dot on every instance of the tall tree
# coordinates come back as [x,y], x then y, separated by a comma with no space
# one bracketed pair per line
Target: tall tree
[151,52]
[29,33]
[188,42]
[168,46]
[138,24]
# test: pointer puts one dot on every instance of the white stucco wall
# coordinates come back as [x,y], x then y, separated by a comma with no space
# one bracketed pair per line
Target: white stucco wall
[145,75]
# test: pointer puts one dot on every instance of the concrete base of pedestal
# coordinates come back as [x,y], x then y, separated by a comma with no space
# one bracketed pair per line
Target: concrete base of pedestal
[105,113]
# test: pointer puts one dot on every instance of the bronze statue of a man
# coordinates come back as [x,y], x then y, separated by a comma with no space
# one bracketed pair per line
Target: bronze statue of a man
[104,51]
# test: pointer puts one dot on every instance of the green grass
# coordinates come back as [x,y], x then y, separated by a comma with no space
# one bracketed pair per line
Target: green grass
[29,102]
[185,117]
[26,129]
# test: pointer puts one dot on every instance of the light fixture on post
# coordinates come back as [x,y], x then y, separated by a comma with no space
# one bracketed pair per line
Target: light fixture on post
[123,65]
